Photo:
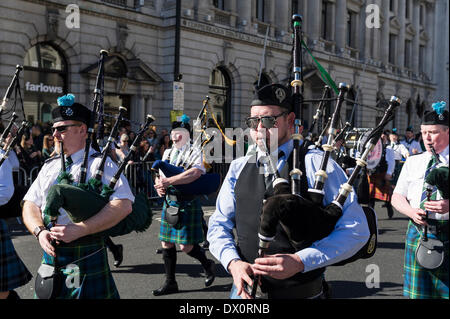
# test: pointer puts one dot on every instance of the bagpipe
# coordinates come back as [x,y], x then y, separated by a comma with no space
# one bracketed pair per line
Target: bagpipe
[430,251]
[207,183]
[82,200]
[9,139]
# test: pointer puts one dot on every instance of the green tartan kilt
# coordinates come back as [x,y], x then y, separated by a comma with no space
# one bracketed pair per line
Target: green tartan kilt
[189,230]
[95,278]
[13,272]
[421,283]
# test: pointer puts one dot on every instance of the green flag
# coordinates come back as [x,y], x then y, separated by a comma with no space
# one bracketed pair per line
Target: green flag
[323,73]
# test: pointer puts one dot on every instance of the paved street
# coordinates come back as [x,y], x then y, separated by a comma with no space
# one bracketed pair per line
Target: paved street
[142,269]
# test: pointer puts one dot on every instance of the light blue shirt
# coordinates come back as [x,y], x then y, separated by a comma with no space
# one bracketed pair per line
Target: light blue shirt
[349,235]
[6,181]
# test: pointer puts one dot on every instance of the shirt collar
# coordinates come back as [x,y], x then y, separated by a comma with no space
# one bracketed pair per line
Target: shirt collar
[78,155]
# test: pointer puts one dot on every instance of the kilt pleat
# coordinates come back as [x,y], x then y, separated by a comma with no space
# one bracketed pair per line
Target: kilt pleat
[13,272]
[189,230]
[421,283]
[379,187]
[95,278]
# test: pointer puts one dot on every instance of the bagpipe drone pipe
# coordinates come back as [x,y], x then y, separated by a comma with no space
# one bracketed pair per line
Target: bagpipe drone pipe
[82,200]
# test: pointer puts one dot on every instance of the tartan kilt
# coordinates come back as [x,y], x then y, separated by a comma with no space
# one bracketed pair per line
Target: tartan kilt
[379,187]
[189,231]
[95,278]
[13,272]
[421,283]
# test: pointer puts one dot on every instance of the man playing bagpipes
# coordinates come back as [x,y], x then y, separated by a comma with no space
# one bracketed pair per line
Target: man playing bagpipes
[287,272]
[13,272]
[422,195]
[67,244]
[182,215]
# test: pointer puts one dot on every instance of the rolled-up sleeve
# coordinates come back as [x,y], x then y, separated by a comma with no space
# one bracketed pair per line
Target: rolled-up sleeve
[220,229]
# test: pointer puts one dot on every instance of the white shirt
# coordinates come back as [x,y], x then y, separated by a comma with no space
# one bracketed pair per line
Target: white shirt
[185,155]
[412,144]
[410,181]
[400,151]
[6,181]
[49,172]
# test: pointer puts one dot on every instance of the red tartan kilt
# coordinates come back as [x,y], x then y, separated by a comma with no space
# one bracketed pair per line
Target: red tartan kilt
[379,187]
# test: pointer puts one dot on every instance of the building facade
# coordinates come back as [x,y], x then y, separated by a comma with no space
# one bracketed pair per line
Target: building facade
[222,49]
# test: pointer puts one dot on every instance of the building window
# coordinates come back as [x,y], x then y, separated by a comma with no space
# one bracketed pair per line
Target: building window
[219,4]
[325,25]
[392,5]
[260,10]
[45,79]
[422,58]
[392,48]
[408,46]
[220,94]
[297,7]
[407,8]
[351,26]
[422,15]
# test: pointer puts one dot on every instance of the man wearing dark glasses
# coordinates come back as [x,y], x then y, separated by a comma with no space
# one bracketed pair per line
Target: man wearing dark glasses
[68,243]
[286,272]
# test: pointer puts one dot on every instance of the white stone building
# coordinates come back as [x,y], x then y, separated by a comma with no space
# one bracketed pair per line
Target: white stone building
[217,46]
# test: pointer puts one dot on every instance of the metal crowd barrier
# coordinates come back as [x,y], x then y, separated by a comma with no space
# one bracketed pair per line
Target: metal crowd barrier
[138,175]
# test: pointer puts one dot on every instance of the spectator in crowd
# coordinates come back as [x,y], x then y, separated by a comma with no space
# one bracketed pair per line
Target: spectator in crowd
[411,144]
[164,144]
[131,137]
[153,141]
[123,150]
[29,157]
[38,136]
[144,147]
[48,148]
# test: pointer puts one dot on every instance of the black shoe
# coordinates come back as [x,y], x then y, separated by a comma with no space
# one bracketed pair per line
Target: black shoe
[159,250]
[167,288]
[118,255]
[210,273]
[205,244]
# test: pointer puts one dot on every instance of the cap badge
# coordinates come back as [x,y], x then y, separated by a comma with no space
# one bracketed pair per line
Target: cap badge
[280,94]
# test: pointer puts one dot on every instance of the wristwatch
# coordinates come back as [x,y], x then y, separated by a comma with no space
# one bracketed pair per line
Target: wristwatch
[38,230]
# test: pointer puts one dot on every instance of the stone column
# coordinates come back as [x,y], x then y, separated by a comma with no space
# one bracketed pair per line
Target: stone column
[416,39]
[341,25]
[430,20]
[232,7]
[384,50]
[401,36]
[270,9]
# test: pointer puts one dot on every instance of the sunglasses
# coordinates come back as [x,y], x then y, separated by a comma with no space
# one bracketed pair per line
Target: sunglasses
[266,121]
[63,128]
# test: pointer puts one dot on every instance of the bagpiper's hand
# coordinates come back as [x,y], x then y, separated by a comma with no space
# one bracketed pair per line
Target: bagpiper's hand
[241,272]
[279,266]
[437,206]
[418,216]
[67,233]
[45,240]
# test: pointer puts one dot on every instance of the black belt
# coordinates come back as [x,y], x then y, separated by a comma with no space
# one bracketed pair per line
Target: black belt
[307,290]
[83,241]
[181,198]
